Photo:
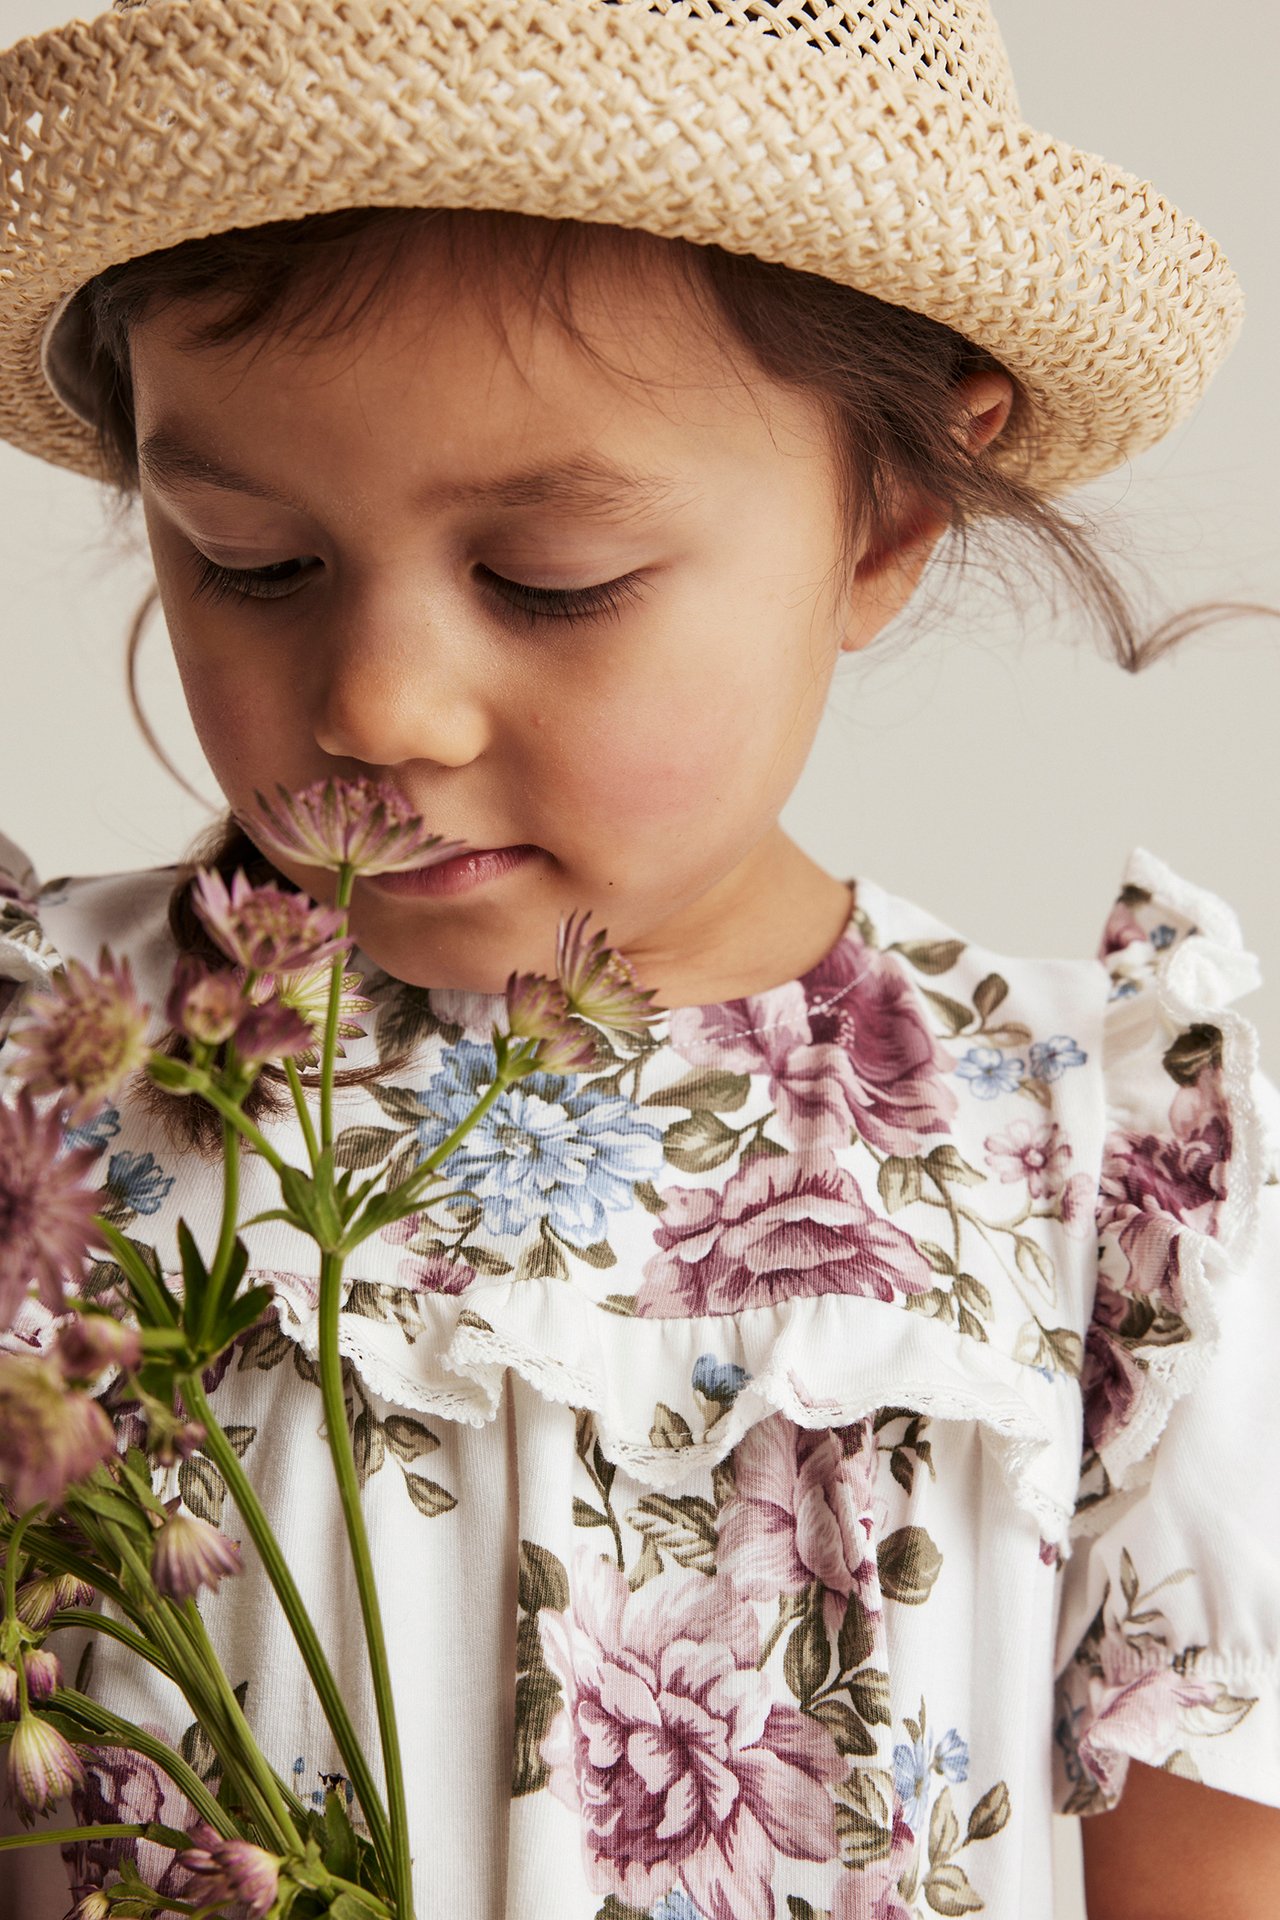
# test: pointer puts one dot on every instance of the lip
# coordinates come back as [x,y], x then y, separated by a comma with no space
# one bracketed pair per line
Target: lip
[478,867]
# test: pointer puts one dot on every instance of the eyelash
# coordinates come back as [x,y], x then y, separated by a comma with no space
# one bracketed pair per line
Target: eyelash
[535,604]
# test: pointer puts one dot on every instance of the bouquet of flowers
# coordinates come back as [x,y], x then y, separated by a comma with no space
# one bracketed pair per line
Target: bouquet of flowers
[81,1518]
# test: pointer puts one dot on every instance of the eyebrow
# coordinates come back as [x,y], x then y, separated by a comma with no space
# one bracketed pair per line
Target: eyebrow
[586,483]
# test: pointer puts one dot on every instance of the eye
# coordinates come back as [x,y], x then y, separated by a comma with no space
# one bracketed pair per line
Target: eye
[216,583]
[532,604]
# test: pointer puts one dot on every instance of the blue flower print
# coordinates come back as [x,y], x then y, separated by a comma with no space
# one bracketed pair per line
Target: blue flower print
[550,1148]
[1124,990]
[676,1906]
[1162,937]
[989,1073]
[1051,1058]
[102,1129]
[138,1181]
[718,1379]
[913,1764]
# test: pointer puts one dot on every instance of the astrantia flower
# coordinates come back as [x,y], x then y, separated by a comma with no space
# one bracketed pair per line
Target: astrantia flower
[84,1037]
[46,1214]
[306,992]
[9,1697]
[234,1870]
[39,1600]
[43,1767]
[362,824]
[90,1343]
[273,1032]
[50,1434]
[264,928]
[206,1006]
[597,982]
[189,1554]
[538,1010]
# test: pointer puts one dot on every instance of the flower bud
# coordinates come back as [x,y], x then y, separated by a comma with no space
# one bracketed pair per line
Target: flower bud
[90,1343]
[94,1906]
[44,1674]
[8,1690]
[188,1554]
[38,1600]
[43,1767]
[234,1870]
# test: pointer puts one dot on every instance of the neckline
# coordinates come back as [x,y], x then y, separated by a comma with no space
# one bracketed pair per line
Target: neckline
[475,1010]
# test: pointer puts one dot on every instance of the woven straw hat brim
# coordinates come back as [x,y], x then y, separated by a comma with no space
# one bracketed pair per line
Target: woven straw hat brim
[178,120]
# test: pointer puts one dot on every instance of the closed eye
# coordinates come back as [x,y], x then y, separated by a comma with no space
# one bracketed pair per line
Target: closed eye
[280,581]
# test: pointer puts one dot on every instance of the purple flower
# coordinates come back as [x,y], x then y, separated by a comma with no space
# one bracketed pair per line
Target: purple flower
[86,1345]
[233,1870]
[38,1600]
[84,1037]
[50,1434]
[46,1213]
[138,1181]
[672,1751]
[43,1767]
[537,1010]
[265,929]
[779,1229]
[989,1073]
[597,982]
[362,824]
[44,1674]
[188,1554]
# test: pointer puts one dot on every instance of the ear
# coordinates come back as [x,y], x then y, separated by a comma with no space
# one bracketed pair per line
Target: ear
[887,575]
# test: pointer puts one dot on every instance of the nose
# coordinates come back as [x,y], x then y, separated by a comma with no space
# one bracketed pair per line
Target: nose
[393,683]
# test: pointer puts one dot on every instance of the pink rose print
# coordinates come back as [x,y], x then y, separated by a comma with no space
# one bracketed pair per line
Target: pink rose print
[671,1749]
[1031,1152]
[427,1272]
[845,1048]
[779,1229]
[802,1511]
[873,1893]
[1111,1379]
[123,1788]
[1078,1207]
[1134,1717]
[1154,1183]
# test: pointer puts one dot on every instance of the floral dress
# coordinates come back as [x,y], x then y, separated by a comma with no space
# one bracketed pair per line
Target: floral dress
[799,1455]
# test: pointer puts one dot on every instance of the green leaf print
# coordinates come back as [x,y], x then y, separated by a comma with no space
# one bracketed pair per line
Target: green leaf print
[990,1814]
[948,1891]
[706,1090]
[699,1144]
[669,1429]
[909,1563]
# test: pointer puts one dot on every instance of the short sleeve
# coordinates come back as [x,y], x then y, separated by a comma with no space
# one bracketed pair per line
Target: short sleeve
[1168,1647]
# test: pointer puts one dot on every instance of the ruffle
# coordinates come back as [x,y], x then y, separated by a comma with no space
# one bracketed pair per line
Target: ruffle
[26,957]
[1177,960]
[673,1396]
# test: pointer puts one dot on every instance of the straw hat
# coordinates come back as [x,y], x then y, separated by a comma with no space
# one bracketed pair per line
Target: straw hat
[878,144]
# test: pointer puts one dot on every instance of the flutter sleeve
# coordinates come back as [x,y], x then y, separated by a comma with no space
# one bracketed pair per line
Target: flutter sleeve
[26,955]
[1168,1647]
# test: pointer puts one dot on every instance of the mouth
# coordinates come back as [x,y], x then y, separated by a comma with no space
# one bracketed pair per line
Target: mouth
[467,872]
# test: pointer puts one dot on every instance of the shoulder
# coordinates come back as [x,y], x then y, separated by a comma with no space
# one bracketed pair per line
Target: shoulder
[45,924]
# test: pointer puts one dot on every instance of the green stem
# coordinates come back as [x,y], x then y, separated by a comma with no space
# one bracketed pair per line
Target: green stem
[303,1111]
[243,1125]
[152,1295]
[227,1461]
[112,1630]
[75,1836]
[121,1733]
[12,1560]
[328,1053]
[268,1785]
[213,1301]
[344,1466]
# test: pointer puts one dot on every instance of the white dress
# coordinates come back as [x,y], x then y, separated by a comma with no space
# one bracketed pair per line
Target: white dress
[799,1457]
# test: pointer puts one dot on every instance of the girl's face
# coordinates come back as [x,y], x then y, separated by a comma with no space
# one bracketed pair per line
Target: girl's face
[586,615]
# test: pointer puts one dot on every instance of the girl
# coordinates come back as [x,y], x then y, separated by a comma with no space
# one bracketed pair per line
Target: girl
[804,1456]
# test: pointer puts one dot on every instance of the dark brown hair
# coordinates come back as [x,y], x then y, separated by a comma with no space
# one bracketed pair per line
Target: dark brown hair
[885,376]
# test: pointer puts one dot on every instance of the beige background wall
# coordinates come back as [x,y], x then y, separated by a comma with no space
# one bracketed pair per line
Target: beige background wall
[997,769]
